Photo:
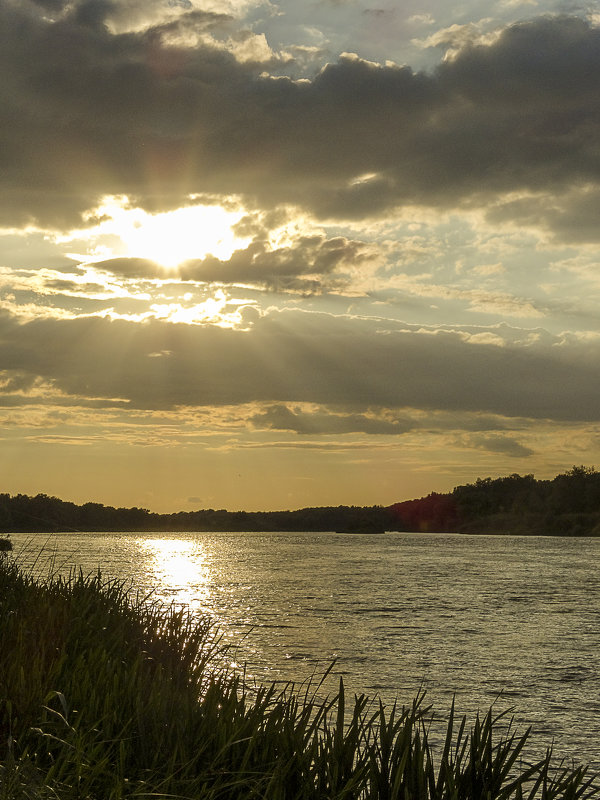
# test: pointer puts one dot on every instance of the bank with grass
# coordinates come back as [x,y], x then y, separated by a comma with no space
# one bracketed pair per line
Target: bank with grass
[106,695]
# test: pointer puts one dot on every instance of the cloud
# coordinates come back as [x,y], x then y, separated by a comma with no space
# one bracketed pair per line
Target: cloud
[517,3]
[505,445]
[88,112]
[301,357]
[132,268]
[479,300]
[51,5]
[282,418]
[280,267]
[574,218]
[421,19]
[299,266]
[456,38]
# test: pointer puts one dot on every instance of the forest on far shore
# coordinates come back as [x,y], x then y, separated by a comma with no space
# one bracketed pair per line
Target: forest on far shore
[567,505]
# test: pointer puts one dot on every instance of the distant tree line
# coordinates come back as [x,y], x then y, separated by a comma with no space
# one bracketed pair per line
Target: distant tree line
[567,505]
[21,513]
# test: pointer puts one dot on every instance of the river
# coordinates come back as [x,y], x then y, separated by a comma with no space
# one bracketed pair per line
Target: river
[510,620]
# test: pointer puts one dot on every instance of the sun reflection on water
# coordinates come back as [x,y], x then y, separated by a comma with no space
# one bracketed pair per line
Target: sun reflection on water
[179,571]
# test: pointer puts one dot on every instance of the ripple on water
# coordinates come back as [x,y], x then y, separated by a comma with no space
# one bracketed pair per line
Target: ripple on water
[481,619]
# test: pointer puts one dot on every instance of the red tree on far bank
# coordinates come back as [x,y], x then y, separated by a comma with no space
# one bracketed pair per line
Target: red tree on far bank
[436,513]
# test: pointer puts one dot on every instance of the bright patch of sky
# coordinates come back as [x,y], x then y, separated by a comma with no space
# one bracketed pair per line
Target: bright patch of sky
[168,238]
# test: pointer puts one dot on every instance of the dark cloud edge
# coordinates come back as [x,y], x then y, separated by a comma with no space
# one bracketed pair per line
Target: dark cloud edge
[296,356]
[87,113]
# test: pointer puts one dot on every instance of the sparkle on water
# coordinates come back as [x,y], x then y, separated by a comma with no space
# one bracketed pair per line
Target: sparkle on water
[178,570]
[485,619]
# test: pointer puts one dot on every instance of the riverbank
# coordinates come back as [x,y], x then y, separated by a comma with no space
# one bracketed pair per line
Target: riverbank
[509,523]
[106,695]
[568,505]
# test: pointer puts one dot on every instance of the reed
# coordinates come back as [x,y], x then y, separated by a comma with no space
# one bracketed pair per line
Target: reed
[105,695]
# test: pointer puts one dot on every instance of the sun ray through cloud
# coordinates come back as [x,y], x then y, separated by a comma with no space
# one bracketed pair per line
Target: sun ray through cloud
[342,218]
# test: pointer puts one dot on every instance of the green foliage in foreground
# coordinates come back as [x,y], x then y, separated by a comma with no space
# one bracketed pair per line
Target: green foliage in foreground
[104,695]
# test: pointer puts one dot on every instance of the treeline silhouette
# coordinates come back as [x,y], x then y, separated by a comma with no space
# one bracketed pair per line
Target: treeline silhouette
[567,505]
[21,513]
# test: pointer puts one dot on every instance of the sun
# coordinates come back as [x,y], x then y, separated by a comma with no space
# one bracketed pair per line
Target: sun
[168,238]
[187,233]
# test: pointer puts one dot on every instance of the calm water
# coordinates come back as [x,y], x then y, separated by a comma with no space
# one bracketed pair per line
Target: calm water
[478,617]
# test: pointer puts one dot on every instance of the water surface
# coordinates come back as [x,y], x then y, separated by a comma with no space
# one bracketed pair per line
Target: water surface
[480,618]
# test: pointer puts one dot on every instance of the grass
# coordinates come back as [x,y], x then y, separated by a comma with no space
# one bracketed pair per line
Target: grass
[105,695]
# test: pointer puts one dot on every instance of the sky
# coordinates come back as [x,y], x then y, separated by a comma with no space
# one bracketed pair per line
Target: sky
[270,255]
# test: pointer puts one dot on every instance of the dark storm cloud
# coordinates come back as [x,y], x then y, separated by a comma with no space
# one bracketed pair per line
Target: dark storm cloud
[297,357]
[86,113]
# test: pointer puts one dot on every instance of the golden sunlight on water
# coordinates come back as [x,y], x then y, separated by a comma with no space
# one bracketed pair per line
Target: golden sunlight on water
[178,569]
[476,619]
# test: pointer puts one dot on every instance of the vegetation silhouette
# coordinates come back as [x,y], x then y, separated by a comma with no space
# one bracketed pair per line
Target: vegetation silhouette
[567,505]
[107,695]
